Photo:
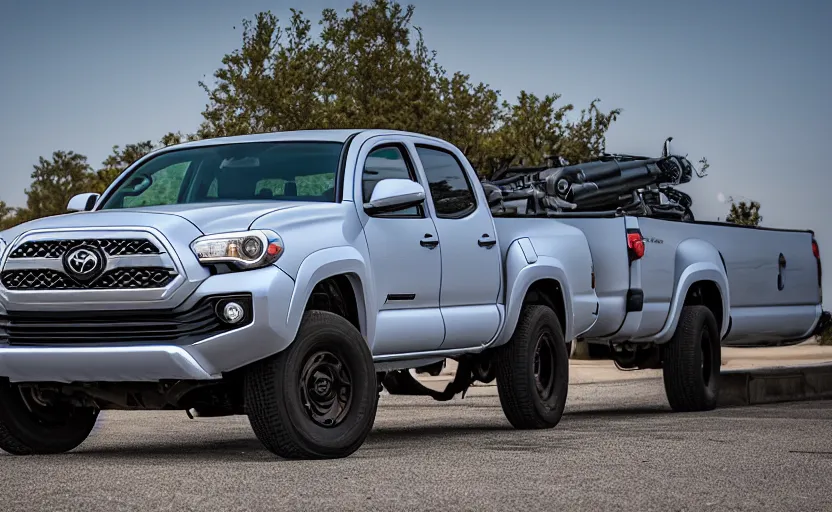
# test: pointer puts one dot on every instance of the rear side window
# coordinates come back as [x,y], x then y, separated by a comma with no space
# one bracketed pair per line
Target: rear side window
[452,194]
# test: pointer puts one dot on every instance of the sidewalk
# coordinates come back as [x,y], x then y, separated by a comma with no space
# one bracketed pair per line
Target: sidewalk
[594,371]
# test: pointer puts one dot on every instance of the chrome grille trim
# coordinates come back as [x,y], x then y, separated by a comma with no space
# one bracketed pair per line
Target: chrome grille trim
[115,279]
[54,249]
[137,260]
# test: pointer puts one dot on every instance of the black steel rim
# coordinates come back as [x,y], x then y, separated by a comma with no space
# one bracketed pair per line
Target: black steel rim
[544,365]
[326,389]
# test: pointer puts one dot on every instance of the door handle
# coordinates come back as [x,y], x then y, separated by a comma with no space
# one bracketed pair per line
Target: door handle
[427,242]
[781,264]
[486,241]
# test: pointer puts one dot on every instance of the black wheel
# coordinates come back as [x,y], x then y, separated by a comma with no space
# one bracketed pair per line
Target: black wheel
[691,361]
[318,398]
[533,370]
[31,426]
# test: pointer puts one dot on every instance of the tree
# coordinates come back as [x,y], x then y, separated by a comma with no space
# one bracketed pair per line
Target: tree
[372,69]
[746,214]
[120,158]
[54,182]
[6,215]
[825,337]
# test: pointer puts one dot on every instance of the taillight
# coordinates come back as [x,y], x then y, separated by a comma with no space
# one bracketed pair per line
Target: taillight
[635,244]
[815,249]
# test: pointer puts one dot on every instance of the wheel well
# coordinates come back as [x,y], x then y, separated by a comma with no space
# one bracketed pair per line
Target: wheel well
[706,293]
[337,295]
[548,292]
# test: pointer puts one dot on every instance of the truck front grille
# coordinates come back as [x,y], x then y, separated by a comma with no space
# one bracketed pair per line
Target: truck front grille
[90,263]
[111,246]
[99,327]
[119,278]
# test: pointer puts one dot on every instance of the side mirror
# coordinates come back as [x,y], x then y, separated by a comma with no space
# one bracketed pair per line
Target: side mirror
[390,195]
[82,202]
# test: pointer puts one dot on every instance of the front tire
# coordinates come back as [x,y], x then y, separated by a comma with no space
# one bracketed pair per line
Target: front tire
[691,362]
[318,398]
[29,426]
[533,370]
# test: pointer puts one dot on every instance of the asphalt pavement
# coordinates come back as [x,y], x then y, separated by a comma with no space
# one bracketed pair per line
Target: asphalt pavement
[617,448]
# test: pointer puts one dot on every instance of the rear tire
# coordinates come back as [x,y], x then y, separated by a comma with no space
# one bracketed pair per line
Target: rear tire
[691,362]
[533,370]
[318,398]
[29,427]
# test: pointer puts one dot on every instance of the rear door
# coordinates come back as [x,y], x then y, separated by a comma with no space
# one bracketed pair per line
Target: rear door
[471,262]
[405,259]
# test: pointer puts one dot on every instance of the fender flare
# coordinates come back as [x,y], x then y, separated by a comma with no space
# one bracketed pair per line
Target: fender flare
[520,276]
[326,263]
[693,273]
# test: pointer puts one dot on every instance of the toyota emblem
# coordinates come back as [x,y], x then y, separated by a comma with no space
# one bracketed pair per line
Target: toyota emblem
[84,263]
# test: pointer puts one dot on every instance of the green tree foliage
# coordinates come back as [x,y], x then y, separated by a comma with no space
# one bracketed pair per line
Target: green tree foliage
[6,215]
[746,214]
[369,68]
[54,182]
[121,158]
[372,69]
[825,337]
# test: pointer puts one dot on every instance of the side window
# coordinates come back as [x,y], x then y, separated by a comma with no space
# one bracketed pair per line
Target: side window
[383,163]
[164,188]
[452,194]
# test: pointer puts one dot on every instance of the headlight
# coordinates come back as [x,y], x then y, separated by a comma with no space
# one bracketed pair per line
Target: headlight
[244,249]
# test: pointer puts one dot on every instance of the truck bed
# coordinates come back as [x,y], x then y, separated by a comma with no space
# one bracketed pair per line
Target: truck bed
[773,286]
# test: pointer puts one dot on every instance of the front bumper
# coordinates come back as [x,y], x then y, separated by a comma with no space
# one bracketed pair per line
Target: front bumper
[191,358]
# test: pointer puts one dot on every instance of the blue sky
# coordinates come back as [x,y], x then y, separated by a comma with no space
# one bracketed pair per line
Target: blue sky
[745,83]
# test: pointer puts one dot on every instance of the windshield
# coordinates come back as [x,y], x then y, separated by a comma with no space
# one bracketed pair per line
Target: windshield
[251,171]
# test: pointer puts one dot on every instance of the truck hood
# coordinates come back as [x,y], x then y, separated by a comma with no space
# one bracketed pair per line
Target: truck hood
[207,218]
[213,218]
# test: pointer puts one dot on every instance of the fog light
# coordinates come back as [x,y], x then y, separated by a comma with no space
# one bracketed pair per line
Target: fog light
[233,313]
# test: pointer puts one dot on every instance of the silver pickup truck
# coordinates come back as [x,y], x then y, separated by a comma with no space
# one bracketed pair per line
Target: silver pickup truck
[283,276]
[290,276]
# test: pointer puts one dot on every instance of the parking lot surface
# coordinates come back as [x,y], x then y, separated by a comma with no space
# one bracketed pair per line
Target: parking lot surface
[617,447]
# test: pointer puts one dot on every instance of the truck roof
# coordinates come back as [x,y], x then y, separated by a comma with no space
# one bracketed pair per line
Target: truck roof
[330,135]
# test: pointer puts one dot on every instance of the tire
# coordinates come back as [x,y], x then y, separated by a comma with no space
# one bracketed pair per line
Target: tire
[691,362]
[537,342]
[43,430]
[274,395]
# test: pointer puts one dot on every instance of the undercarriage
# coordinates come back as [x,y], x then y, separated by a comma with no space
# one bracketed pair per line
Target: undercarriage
[225,397]
[205,398]
[470,369]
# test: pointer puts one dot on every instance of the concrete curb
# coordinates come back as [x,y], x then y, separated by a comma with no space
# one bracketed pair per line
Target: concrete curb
[779,384]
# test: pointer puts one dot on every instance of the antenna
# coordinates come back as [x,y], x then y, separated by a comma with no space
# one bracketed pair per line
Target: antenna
[666,148]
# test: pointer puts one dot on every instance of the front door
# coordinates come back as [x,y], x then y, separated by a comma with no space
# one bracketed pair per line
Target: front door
[406,262]
[471,263]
